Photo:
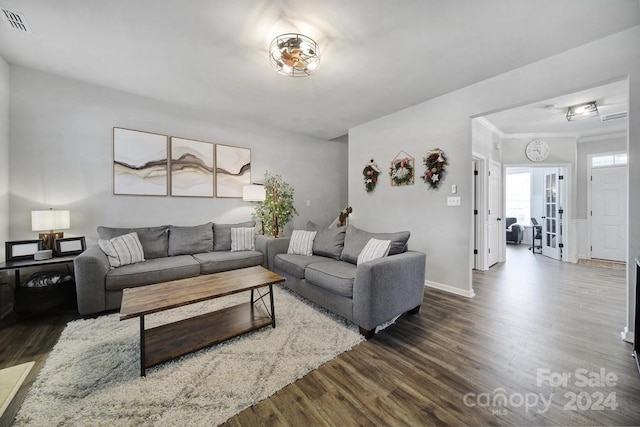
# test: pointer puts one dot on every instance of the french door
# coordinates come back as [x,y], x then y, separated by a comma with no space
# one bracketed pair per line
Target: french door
[552,220]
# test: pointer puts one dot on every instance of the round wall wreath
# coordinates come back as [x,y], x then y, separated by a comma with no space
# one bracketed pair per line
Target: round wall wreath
[435,161]
[401,171]
[370,174]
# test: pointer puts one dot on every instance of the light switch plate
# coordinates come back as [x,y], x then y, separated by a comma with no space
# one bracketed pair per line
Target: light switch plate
[453,201]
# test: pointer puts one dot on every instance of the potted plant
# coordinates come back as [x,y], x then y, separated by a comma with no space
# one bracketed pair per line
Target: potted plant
[277,208]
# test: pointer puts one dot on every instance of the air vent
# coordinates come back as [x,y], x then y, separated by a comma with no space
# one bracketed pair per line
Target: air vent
[15,20]
[613,116]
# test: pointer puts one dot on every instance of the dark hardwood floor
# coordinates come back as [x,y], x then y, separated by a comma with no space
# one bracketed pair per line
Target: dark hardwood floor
[533,319]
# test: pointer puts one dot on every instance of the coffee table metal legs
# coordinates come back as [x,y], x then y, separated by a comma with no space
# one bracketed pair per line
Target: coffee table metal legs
[272,313]
[273,308]
[142,349]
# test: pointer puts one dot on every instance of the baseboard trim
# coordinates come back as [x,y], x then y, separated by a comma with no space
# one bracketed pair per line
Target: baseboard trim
[627,335]
[449,289]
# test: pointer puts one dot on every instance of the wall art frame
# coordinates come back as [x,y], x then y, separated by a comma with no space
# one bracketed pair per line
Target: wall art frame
[70,246]
[192,168]
[402,170]
[22,249]
[140,163]
[233,170]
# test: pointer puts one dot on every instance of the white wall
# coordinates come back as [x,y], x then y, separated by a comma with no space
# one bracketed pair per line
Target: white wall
[443,232]
[61,156]
[4,155]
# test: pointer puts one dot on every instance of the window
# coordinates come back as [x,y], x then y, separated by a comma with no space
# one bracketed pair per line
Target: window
[609,160]
[518,196]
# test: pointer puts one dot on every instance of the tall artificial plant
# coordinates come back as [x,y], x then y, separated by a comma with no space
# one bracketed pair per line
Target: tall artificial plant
[277,208]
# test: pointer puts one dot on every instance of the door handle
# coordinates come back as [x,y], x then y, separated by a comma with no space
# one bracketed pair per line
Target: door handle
[499,219]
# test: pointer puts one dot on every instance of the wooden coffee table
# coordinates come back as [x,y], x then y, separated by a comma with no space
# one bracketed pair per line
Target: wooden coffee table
[170,341]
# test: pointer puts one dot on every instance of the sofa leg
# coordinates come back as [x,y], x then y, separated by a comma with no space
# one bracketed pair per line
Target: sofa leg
[367,334]
[415,310]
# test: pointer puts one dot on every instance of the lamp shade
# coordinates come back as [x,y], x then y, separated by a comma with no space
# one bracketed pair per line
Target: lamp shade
[50,220]
[253,193]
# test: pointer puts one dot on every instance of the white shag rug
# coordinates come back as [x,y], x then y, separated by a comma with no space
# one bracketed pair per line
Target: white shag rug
[92,376]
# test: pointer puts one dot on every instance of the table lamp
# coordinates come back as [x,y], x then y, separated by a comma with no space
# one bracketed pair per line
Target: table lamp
[253,193]
[49,221]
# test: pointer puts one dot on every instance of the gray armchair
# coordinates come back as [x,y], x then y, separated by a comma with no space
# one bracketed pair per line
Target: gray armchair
[515,231]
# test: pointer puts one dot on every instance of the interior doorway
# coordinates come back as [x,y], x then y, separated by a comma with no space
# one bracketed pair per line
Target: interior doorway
[536,201]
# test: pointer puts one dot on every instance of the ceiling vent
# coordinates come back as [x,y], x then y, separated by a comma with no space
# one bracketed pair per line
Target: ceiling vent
[613,116]
[15,20]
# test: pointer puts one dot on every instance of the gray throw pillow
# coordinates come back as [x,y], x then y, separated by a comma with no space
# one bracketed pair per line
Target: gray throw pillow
[190,240]
[356,239]
[154,240]
[329,241]
[222,234]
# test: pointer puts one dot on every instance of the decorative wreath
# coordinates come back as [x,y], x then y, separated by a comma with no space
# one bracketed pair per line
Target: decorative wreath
[435,161]
[401,171]
[370,174]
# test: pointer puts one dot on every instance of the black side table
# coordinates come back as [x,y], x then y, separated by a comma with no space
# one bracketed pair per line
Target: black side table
[16,266]
[40,299]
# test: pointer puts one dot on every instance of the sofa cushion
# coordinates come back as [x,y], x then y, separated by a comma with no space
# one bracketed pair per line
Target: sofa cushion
[215,262]
[243,239]
[122,250]
[190,240]
[301,242]
[356,239]
[154,240]
[222,234]
[295,264]
[152,271]
[329,242]
[334,276]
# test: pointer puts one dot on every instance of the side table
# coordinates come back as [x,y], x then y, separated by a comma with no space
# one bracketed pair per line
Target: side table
[17,266]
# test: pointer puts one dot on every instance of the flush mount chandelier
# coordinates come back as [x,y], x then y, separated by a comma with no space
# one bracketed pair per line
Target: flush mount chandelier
[294,55]
[582,111]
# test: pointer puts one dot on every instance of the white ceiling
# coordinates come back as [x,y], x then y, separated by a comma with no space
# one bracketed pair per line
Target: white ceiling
[378,56]
[548,117]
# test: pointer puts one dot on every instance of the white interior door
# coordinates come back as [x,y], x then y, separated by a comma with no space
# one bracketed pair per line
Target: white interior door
[609,213]
[496,228]
[551,231]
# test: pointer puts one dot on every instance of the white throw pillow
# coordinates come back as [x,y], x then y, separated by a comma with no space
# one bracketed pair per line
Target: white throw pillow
[374,249]
[243,239]
[301,242]
[122,250]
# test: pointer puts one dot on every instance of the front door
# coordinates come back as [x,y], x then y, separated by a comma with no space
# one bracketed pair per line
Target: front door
[609,213]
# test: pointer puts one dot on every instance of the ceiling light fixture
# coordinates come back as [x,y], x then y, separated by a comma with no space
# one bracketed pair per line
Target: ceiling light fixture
[294,55]
[582,111]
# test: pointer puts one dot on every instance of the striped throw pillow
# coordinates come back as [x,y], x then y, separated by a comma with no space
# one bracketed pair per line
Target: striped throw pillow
[243,239]
[122,250]
[301,242]
[374,249]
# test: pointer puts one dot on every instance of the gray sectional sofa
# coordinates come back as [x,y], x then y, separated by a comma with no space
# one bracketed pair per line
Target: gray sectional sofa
[171,253]
[368,294]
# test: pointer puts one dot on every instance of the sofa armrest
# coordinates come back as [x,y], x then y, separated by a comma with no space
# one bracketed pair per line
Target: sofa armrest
[275,246]
[91,268]
[386,287]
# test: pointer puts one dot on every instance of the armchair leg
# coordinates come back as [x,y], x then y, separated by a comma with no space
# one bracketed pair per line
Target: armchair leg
[367,334]
[415,310]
